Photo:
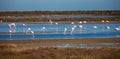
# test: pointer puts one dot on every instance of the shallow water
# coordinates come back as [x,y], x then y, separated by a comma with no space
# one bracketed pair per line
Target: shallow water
[98,45]
[53,31]
[57,17]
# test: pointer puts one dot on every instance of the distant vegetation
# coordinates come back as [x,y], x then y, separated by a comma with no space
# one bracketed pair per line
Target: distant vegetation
[5,15]
[23,13]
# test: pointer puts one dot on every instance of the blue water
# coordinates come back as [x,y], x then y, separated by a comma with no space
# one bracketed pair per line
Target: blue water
[54,31]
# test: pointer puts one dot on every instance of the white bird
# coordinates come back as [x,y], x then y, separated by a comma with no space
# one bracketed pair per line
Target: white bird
[56,23]
[107,21]
[103,21]
[32,32]
[10,34]
[0,21]
[65,30]
[84,22]
[51,22]
[43,29]
[73,29]
[117,29]
[23,24]
[72,23]
[23,27]
[28,31]
[95,27]
[74,26]
[80,22]
[108,27]
[12,27]
[80,26]
[56,27]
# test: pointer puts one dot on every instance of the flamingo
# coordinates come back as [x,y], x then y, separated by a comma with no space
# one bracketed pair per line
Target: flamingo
[56,27]
[84,22]
[73,29]
[0,21]
[23,27]
[80,27]
[10,34]
[102,21]
[28,31]
[80,22]
[12,27]
[43,29]
[72,23]
[107,27]
[107,21]
[32,33]
[65,30]
[117,29]
[50,21]
[95,27]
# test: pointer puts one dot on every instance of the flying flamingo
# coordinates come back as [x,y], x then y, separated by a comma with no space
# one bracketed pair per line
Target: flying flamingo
[65,30]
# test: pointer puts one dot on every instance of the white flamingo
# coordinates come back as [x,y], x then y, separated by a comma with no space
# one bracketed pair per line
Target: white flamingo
[28,31]
[72,23]
[43,29]
[108,27]
[65,30]
[57,26]
[80,26]
[12,27]
[117,29]
[32,33]
[24,25]
[50,21]
[95,28]
[84,21]
[72,30]
[74,26]
[80,22]
[0,21]
[102,21]
[107,21]
[10,34]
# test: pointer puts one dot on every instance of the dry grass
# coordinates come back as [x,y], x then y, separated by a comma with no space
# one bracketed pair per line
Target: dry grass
[26,49]
[15,52]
